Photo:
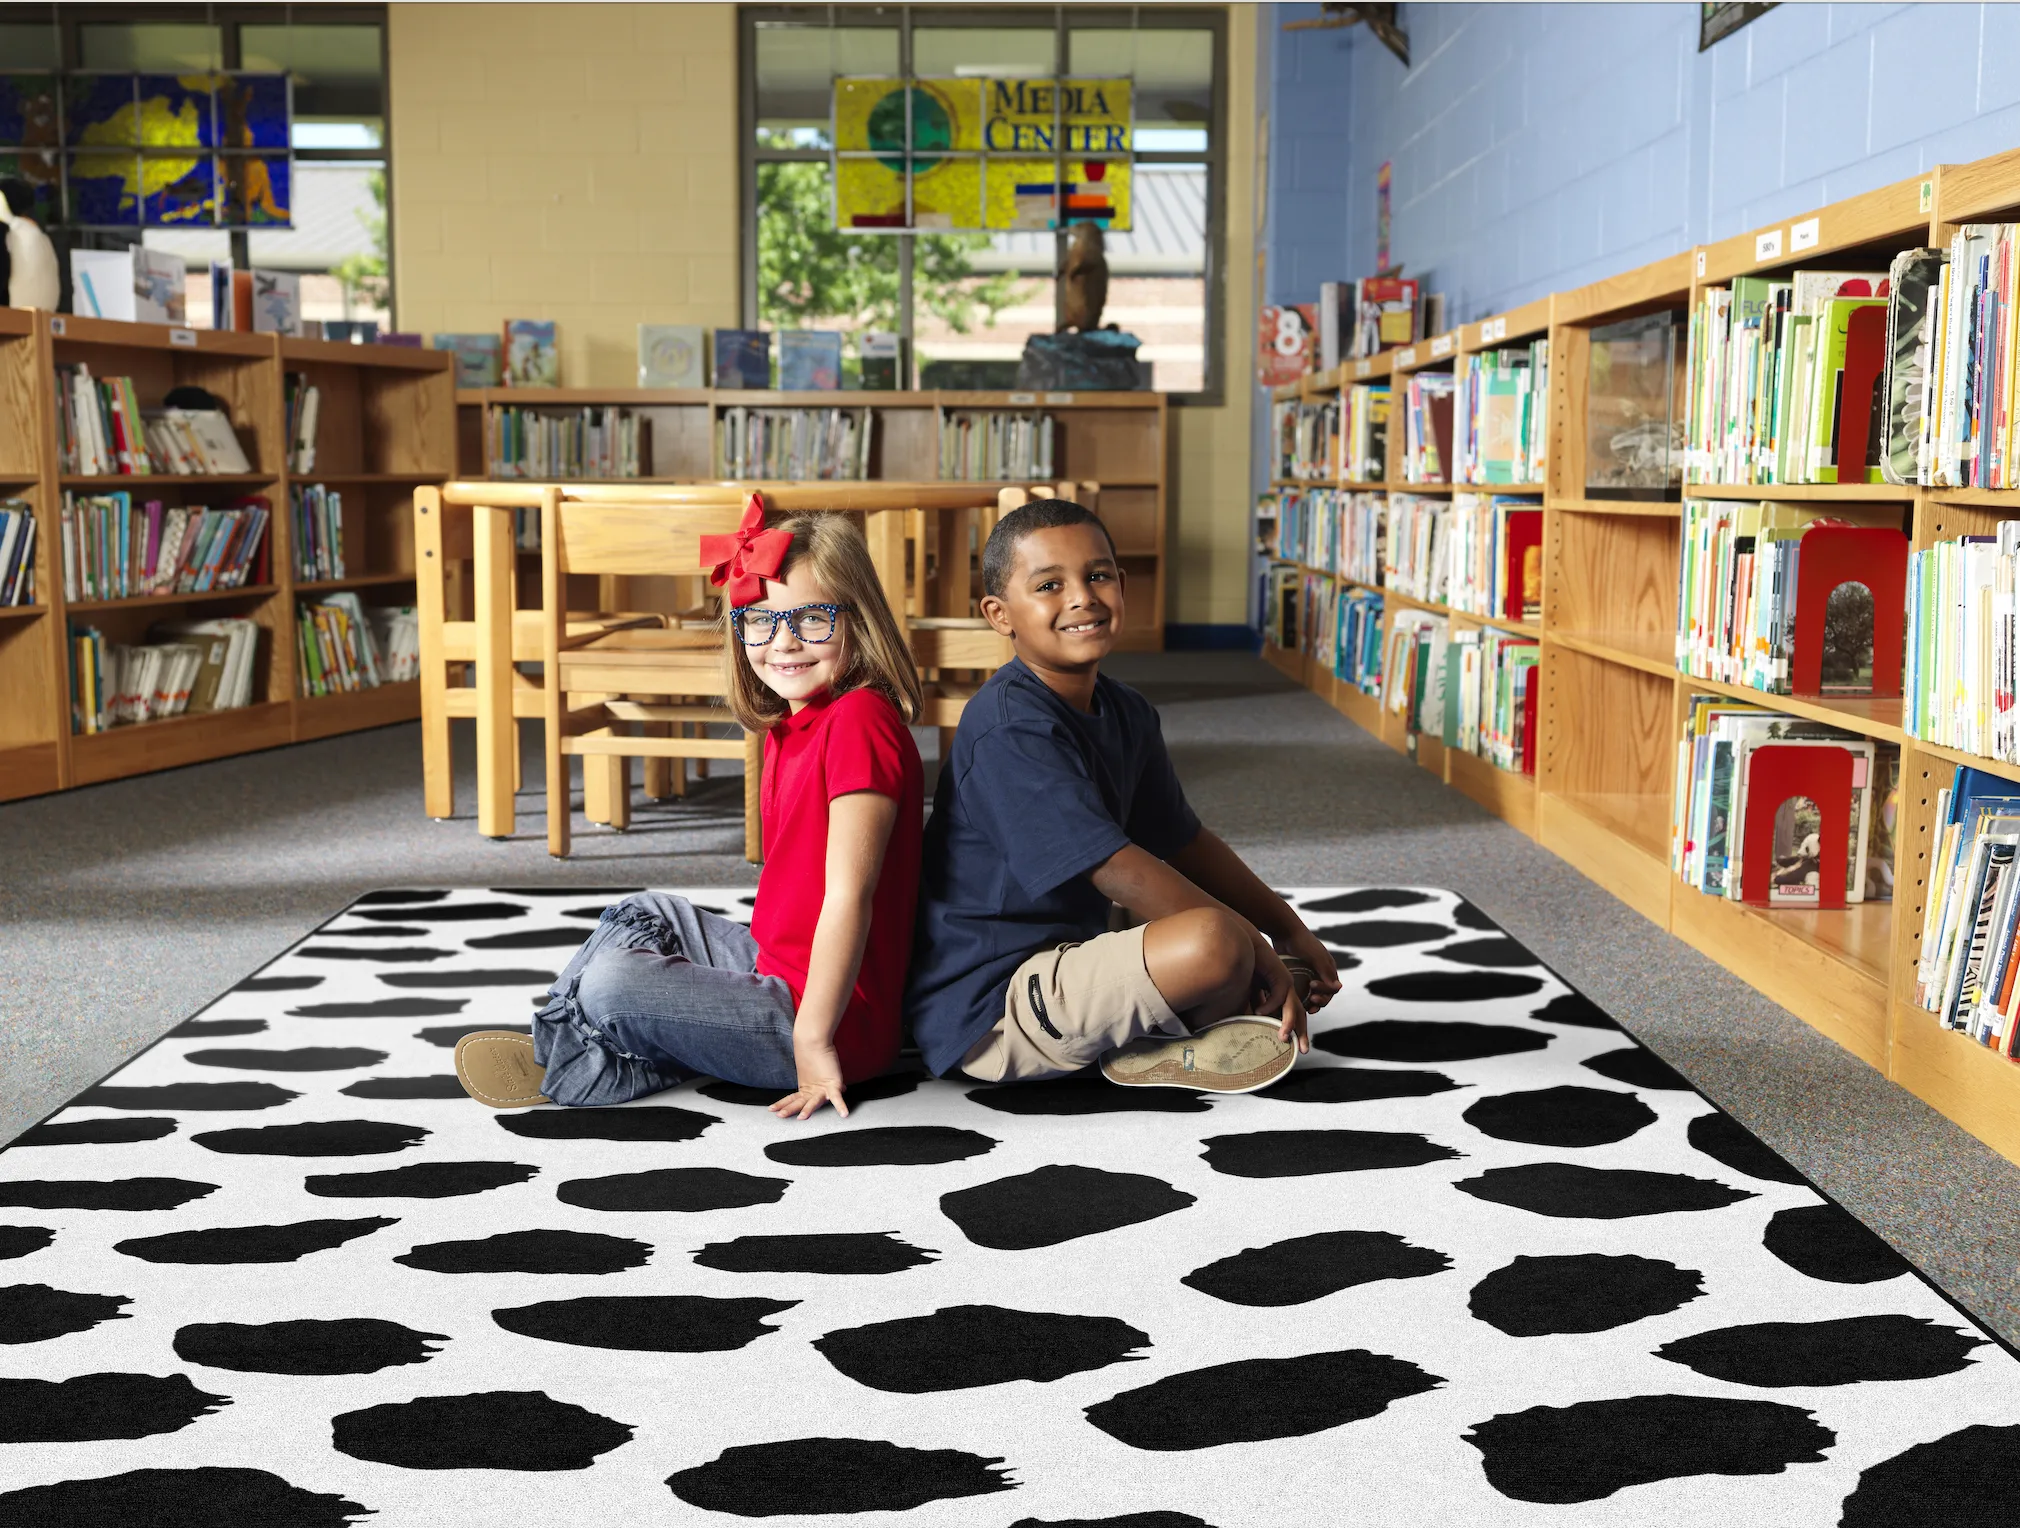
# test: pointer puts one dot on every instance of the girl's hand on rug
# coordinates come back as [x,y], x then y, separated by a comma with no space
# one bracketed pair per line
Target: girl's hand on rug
[1304,945]
[820,1078]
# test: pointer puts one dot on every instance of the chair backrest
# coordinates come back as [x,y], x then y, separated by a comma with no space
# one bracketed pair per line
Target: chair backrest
[658,537]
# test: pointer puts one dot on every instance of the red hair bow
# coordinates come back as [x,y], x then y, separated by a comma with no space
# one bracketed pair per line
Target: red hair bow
[743,561]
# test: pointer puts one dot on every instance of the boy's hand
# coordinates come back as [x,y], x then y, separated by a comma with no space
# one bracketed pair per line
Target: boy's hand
[1305,946]
[1294,1023]
[820,1079]
[1272,981]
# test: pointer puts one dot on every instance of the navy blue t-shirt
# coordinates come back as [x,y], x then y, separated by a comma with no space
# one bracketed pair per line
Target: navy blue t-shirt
[1034,796]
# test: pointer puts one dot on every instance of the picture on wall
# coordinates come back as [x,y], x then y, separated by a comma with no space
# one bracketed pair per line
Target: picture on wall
[1717,20]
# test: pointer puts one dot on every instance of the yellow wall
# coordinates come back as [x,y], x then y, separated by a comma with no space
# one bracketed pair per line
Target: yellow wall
[578,162]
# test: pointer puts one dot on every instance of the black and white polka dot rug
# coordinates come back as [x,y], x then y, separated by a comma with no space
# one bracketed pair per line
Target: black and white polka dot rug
[1480,1260]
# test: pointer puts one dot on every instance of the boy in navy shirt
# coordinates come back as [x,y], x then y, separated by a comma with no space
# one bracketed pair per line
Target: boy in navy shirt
[1058,800]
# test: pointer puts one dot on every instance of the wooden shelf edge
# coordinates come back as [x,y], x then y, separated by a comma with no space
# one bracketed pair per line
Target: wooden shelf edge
[1801,493]
[1972,1086]
[2000,767]
[1617,865]
[1873,723]
[1612,647]
[1652,509]
[149,746]
[1507,794]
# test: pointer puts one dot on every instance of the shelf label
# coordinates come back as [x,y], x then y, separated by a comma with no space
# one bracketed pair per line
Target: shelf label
[1803,235]
[1407,357]
[1362,368]
[59,326]
[1927,200]
[1059,397]
[1024,398]
[1500,328]
[1700,265]
[1767,246]
[1487,333]
[1441,346]
[182,338]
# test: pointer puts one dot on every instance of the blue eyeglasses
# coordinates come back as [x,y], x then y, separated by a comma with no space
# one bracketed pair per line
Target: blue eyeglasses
[809,623]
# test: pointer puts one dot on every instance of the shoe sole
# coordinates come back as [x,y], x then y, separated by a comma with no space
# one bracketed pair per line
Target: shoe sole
[496,1067]
[1236,1055]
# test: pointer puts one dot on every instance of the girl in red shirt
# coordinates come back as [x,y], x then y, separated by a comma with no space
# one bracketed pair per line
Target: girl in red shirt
[806,1000]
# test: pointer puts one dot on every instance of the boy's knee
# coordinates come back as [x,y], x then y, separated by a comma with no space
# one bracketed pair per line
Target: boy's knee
[1214,943]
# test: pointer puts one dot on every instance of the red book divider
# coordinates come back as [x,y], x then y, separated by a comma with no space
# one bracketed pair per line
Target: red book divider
[1774,774]
[1529,693]
[1525,530]
[1865,358]
[1875,556]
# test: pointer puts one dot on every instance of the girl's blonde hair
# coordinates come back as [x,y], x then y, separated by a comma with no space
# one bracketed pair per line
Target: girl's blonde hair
[879,656]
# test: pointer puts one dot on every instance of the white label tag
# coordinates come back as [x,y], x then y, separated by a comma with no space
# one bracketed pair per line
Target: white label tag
[1025,398]
[1767,246]
[1362,368]
[59,326]
[1441,346]
[1700,264]
[1059,397]
[185,338]
[1487,333]
[1500,328]
[1803,235]
[1407,357]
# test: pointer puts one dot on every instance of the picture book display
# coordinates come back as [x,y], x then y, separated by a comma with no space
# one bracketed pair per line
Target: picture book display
[810,360]
[743,358]
[882,358]
[1287,343]
[671,355]
[276,302]
[532,354]
[480,358]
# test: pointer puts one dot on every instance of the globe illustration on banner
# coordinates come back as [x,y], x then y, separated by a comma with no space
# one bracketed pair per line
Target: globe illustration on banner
[932,129]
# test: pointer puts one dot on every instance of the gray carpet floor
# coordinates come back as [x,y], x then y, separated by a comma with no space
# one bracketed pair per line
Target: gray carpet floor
[126,907]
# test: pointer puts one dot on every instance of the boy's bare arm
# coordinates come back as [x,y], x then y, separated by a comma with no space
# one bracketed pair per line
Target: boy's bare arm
[1209,865]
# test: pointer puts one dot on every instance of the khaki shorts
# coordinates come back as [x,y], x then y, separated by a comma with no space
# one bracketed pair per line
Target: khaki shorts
[1069,1005]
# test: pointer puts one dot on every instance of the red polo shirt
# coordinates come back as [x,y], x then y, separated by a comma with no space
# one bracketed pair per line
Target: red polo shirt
[856,741]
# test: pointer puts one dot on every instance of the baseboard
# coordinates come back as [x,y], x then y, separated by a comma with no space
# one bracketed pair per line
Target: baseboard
[1199,637]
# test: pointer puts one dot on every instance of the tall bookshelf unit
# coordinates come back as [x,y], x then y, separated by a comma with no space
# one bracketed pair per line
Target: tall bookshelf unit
[1613,703]
[1119,440]
[387,425]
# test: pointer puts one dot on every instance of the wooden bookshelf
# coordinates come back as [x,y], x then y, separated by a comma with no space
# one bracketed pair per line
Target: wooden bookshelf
[1613,704]
[1121,441]
[387,424]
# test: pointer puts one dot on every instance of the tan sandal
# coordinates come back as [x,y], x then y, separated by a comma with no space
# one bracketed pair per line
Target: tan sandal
[496,1067]
[1235,1055]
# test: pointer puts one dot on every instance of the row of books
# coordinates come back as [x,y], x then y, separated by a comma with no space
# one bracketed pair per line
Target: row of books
[1963,645]
[114,549]
[1715,763]
[1377,313]
[102,430]
[1957,356]
[1356,626]
[992,445]
[800,444]
[343,647]
[304,409]
[1427,426]
[1307,437]
[1495,550]
[1334,531]
[17,553]
[593,442]
[183,667]
[1489,706]
[1365,446]
[1966,971]
[318,530]
[1501,414]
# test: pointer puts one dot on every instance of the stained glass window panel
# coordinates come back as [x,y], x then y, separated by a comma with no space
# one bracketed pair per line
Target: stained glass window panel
[869,195]
[105,188]
[101,110]
[175,111]
[947,193]
[256,190]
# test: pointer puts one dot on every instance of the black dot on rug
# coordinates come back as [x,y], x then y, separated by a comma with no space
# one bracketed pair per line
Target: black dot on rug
[446,1035]
[646,1323]
[1725,1139]
[1575,1009]
[1848,1351]
[219,1029]
[250,1244]
[93,1407]
[1638,1067]
[854,1252]
[429,917]
[524,1430]
[385,954]
[314,1138]
[278,984]
[1085,1092]
[1308,1153]
[307,1058]
[1586,1452]
[890,1085]
[531,1252]
[1382,933]
[612,892]
[96,1132]
[809,1476]
[1054,1204]
[1127,1520]
[444,1085]
[90,1194]
[211,1494]
[1311,1267]
[1429,1040]
[1259,1398]
[1352,1085]
[1496,952]
[1366,900]
[383,1008]
[38,1312]
[347,1345]
[422,1180]
[457,981]
[528,939]
[961,1347]
[1825,1242]
[682,1189]
[377,931]
[219,1096]
[1964,1478]
[19,1241]
[397,895]
[889,1146]
[1580,1292]
[1453,986]
[1567,1191]
[637,1122]
[592,914]
[1566,1116]
[1466,915]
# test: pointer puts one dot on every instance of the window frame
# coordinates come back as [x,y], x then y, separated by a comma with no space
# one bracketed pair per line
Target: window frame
[1060,21]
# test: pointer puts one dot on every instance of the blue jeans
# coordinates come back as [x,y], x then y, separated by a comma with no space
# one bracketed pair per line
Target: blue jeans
[663,991]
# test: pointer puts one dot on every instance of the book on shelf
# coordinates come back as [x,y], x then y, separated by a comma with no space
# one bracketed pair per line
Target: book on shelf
[532,353]
[346,331]
[743,359]
[1307,437]
[401,339]
[17,553]
[1413,670]
[1490,686]
[343,647]
[1285,344]
[304,408]
[671,355]
[276,302]
[318,532]
[102,431]
[810,360]
[596,441]
[1320,632]
[1962,683]
[1965,972]
[803,443]
[479,358]
[1416,555]
[1366,443]
[1500,414]
[1954,343]
[135,285]
[1333,531]
[114,549]
[1913,276]
[991,445]
[1283,586]
[882,358]
[184,667]
[1357,639]
[1427,427]
[1386,314]
[1496,557]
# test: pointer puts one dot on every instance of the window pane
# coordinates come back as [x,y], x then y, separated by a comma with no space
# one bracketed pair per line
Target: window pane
[169,45]
[796,69]
[976,298]
[983,51]
[809,275]
[1157,275]
[30,45]
[339,87]
[1173,71]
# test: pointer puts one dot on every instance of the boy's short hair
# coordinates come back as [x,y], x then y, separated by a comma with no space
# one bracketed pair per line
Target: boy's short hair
[1000,555]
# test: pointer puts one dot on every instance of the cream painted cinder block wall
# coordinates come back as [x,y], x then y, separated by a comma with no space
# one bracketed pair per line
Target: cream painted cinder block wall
[565,161]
